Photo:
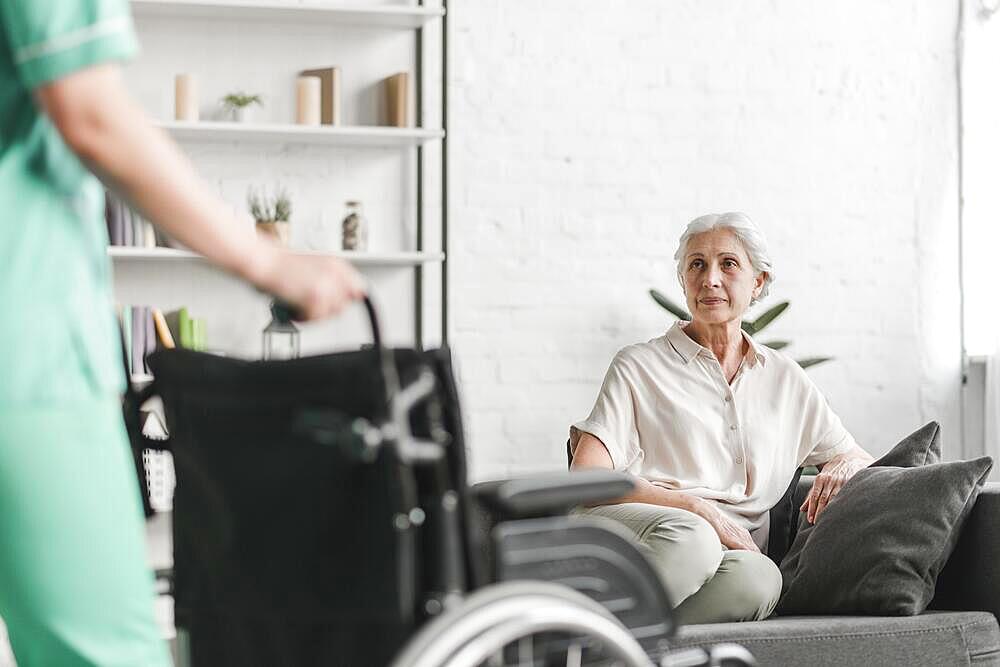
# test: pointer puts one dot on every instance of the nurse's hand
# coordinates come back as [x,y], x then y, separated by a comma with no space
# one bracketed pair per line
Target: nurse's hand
[731,534]
[317,286]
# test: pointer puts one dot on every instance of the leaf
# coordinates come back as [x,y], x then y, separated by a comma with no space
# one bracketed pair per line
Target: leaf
[750,327]
[769,316]
[241,99]
[812,361]
[669,305]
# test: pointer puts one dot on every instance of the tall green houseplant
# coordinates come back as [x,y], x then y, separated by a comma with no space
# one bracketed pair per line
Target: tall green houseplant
[751,327]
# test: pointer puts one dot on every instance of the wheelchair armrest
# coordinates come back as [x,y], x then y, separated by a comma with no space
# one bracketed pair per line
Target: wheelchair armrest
[555,493]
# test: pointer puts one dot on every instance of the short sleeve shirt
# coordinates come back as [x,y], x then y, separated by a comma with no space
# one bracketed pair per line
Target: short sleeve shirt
[667,413]
[58,337]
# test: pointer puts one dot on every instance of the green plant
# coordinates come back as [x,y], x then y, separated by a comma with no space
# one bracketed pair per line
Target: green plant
[234,101]
[269,209]
[751,327]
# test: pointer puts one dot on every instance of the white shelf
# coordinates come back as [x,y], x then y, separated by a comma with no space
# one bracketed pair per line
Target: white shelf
[125,253]
[392,16]
[385,137]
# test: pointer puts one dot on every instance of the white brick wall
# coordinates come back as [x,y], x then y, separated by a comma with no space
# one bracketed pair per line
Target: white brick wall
[585,134]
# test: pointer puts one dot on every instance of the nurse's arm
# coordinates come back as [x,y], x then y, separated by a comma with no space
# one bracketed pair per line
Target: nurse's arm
[107,129]
[590,452]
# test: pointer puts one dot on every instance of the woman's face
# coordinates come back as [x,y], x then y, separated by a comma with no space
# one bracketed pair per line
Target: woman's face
[719,281]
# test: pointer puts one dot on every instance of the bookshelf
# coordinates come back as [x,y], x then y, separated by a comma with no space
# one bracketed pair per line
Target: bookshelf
[387,16]
[380,259]
[357,136]
[398,173]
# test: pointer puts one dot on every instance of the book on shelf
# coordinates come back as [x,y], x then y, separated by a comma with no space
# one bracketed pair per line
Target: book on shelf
[138,341]
[147,329]
[329,91]
[186,331]
[149,336]
[397,92]
[162,330]
[179,326]
[126,218]
[125,317]
[127,228]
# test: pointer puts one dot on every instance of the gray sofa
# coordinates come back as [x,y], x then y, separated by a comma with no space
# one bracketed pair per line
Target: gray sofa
[959,629]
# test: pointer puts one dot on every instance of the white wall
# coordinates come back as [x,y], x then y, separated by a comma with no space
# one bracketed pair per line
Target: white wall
[585,134]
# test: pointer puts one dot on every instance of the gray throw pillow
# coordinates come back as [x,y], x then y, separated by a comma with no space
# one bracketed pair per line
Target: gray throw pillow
[881,542]
[921,447]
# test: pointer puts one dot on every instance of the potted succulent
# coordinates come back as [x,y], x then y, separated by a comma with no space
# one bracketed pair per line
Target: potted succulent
[237,105]
[271,213]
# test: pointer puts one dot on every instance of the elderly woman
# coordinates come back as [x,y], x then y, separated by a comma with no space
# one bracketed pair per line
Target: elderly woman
[713,425]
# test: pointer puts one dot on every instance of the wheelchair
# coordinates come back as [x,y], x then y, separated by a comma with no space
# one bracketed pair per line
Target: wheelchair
[321,516]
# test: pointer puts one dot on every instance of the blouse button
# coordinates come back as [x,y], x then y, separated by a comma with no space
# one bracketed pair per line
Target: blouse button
[733,427]
[739,459]
[728,398]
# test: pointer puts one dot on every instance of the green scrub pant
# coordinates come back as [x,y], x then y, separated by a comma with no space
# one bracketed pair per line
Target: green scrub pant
[75,588]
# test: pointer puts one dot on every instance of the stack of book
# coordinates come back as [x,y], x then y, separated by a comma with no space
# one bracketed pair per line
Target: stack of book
[128,228]
[146,329]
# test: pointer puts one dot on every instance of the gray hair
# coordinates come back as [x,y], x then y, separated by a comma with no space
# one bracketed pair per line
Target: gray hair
[746,231]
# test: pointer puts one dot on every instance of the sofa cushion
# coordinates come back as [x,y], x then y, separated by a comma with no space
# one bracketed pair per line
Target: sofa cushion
[882,541]
[783,519]
[933,638]
[971,579]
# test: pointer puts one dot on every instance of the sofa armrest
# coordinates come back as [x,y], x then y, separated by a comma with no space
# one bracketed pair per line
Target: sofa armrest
[556,493]
[970,581]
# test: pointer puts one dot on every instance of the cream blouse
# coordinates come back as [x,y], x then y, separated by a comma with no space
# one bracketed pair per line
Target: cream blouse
[666,413]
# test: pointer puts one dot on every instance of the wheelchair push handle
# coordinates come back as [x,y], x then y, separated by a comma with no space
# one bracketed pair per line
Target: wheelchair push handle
[360,438]
[285,313]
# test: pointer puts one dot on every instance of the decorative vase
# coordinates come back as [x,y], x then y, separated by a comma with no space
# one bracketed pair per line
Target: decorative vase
[277,230]
[185,98]
[354,229]
[242,114]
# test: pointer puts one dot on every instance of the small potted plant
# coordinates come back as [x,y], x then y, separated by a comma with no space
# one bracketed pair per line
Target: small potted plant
[271,213]
[237,105]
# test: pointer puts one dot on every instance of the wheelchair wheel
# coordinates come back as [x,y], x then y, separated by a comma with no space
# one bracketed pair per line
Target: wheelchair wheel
[523,623]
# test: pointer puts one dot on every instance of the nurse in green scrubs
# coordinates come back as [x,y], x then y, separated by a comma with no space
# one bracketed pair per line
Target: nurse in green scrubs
[74,586]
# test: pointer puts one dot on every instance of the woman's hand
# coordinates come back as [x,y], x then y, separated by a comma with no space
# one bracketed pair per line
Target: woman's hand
[731,534]
[316,286]
[831,479]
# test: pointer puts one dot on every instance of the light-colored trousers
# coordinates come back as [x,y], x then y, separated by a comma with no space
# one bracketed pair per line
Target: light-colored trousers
[705,582]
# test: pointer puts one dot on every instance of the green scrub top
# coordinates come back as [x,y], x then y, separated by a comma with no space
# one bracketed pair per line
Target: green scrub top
[59,340]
